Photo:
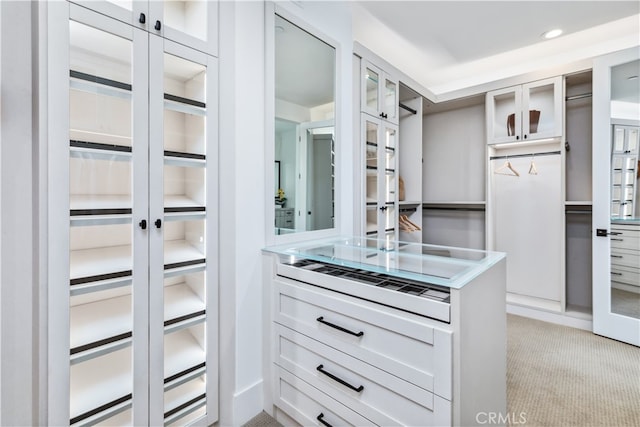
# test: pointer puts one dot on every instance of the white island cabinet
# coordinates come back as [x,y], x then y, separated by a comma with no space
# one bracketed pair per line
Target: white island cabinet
[411,335]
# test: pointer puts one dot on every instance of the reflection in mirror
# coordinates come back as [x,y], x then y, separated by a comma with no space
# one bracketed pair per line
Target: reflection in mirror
[305,69]
[625,204]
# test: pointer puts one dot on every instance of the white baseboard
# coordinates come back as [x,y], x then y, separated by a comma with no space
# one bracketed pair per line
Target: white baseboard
[248,403]
[579,320]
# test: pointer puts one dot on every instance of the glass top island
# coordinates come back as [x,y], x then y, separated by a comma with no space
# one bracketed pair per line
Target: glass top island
[449,267]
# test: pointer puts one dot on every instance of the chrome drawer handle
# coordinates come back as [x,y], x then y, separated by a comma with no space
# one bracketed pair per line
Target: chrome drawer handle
[340,328]
[322,421]
[618,240]
[340,380]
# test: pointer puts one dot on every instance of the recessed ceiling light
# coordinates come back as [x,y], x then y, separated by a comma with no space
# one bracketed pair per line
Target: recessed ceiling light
[552,33]
[279,29]
[632,78]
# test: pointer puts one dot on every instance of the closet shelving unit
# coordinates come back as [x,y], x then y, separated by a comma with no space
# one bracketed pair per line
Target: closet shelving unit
[453,207]
[578,199]
[133,298]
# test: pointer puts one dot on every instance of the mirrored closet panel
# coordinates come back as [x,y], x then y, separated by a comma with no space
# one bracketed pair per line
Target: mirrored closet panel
[305,143]
[616,241]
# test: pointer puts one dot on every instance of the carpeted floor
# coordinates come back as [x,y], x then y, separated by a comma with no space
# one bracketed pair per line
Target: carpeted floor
[561,376]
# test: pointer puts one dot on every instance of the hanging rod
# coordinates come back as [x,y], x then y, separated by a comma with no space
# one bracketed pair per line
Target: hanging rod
[409,109]
[452,208]
[574,97]
[513,156]
[581,212]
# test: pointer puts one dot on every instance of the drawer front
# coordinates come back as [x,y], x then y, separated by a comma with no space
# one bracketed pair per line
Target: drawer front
[625,257]
[626,275]
[412,350]
[373,393]
[627,239]
[309,406]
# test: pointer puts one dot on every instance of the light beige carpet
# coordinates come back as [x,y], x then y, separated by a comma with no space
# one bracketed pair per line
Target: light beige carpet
[560,376]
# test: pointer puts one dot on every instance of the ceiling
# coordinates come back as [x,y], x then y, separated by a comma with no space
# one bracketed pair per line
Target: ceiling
[448,45]
[463,31]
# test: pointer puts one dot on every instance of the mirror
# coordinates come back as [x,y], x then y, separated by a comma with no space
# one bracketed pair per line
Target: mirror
[625,194]
[305,70]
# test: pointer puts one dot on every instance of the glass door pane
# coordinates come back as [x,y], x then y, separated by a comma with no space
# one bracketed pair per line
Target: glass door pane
[101,235]
[506,116]
[539,117]
[187,16]
[390,99]
[371,129]
[184,242]
[372,80]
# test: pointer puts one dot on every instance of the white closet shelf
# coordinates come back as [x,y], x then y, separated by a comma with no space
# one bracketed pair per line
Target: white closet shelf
[181,105]
[183,354]
[180,253]
[101,87]
[100,385]
[99,264]
[100,323]
[99,137]
[99,209]
[184,400]
[180,301]
[183,208]
[185,161]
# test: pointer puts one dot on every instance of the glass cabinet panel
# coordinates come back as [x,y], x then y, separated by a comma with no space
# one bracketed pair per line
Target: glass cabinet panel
[187,16]
[539,117]
[372,80]
[506,119]
[618,140]
[390,99]
[101,237]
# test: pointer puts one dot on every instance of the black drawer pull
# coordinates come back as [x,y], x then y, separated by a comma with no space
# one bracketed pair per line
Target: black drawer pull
[322,421]
[618,240]
[615,273]
[340,380]
[340,328]
[616,256]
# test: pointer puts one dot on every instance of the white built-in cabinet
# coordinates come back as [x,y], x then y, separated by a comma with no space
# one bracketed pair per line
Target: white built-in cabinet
[379,92]
[188,22]
[525,112]
[133,287]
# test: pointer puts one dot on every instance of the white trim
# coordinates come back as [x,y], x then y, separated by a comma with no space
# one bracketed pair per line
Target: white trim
[547,316]
[247,403]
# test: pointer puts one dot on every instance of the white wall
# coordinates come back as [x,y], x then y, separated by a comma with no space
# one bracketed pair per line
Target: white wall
[243,191]
[18,221]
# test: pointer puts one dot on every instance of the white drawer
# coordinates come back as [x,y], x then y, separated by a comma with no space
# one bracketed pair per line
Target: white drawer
[630,276]
[375,394]
[409,347]
[309,406]
[629,237]
[625,257]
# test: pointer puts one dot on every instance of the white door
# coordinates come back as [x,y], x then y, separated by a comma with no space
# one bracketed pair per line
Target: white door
[616,100]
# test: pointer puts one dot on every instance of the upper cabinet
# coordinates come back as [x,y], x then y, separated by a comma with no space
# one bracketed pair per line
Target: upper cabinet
[379,93]
[188,22]
[526,112]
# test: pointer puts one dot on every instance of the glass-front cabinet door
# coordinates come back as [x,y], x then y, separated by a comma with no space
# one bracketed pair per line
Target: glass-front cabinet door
[189,22]
[107,208]
[132,187]
[182,244]
[527,112]
[381,178]
[379,93]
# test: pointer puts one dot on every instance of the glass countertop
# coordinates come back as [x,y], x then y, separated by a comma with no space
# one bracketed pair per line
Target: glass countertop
[439,265]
